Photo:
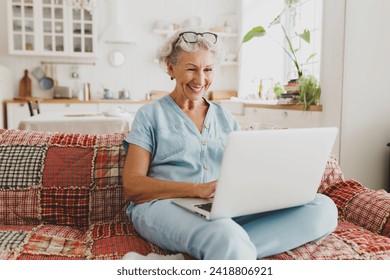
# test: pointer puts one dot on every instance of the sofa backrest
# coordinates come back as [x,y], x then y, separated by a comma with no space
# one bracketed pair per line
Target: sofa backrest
[70,179]
[57,178]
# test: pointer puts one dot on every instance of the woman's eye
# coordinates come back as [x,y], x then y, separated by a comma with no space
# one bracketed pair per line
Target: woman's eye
[208,69]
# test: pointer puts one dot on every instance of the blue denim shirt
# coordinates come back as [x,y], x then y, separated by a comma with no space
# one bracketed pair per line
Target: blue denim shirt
[179,152]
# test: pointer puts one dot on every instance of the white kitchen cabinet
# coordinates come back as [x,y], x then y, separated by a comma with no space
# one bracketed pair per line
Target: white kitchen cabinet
[51,28]
[17,111]
[119,107]
[69,108]
[281,118]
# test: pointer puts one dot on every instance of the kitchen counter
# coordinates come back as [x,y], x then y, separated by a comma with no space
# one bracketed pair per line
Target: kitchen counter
[74,100]
[244,103]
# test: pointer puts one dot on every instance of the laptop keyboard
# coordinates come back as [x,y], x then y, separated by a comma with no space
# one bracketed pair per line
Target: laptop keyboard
[205,206]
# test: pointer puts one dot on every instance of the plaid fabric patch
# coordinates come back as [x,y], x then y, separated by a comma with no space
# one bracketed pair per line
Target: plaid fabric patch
[81,140]
[67,232]
[347,242]
[121,245]
[41,257]
[107,230]
[369,209]
[342,193]
[22,164]
[329,248]
[107,205]
[24,137]
[332,174]
[19,207]
[54,245]
[113,240]
[68,166]
[366,243]
[65,206]
[109,140]
[11,240]
[109,166]
[386,228]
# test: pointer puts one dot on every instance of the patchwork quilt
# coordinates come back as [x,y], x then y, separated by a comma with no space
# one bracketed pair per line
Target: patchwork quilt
[61,198]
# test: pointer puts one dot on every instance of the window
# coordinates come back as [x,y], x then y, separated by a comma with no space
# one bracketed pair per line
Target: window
[306,14]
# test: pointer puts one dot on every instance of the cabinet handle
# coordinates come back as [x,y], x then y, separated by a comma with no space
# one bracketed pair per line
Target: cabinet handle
[22,104]
[67,105]
[285,113]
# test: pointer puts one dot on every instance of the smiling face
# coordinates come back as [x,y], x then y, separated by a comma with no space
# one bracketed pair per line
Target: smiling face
[193,73]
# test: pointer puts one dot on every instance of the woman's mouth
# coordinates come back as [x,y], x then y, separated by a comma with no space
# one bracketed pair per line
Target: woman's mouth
[196,89]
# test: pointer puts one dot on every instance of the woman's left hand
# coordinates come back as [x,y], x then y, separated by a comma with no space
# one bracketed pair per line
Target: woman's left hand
[207,190]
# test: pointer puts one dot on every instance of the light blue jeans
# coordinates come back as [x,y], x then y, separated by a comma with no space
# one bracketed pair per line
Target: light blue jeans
[242,238]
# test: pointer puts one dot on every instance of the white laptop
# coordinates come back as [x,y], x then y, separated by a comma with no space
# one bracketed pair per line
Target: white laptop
[266,170]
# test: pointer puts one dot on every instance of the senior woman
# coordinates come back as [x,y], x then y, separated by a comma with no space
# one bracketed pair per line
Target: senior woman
[175,150]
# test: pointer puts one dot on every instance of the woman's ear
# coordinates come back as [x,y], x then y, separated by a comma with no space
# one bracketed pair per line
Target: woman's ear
[170,69]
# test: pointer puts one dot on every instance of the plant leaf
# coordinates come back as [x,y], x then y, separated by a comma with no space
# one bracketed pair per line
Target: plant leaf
[276,20]
[305,36]
[310,57]
[257,31]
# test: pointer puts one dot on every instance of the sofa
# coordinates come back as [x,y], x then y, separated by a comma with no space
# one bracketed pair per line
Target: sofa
[61,198]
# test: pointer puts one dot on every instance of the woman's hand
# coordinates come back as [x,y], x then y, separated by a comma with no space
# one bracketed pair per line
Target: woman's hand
[207,190]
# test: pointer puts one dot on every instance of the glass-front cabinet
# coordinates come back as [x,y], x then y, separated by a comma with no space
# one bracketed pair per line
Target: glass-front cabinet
[50,27]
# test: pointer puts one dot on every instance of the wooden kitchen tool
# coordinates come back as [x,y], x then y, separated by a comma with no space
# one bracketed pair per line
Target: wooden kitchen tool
[25,86]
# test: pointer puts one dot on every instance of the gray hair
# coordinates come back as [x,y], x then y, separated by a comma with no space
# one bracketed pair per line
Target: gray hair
[174,45]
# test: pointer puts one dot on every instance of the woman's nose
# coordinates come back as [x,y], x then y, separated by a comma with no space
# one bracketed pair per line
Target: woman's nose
[200,77]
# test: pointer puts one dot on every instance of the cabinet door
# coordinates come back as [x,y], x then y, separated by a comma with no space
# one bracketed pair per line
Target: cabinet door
[16,112]
[50,27]
[282,118]
[68,108]
[82,36]
[22,26]
[118,107]
[53,27]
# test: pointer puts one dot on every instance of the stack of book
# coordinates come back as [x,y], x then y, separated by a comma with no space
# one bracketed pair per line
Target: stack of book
[288,99]
[292,93]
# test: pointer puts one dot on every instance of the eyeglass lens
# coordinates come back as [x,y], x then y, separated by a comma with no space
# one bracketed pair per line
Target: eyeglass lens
[192,37]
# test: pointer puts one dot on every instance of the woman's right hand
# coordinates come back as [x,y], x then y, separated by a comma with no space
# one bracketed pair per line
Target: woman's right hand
[207,190]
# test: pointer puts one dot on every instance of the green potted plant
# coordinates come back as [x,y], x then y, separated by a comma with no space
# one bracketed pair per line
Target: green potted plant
[309,91]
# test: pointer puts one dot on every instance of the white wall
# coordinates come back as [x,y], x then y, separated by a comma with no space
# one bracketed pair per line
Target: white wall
[139,74]
[366,96]
[355,86]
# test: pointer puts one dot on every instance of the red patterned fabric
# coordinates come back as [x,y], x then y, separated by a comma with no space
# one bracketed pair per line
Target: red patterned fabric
[61,198]
[332,174]
[362,206]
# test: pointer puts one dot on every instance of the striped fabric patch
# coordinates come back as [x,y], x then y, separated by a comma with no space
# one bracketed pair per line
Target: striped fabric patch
[22,164]
[11,240]
[109,166]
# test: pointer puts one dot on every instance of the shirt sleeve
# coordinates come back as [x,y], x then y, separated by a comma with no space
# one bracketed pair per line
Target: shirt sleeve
[141,133]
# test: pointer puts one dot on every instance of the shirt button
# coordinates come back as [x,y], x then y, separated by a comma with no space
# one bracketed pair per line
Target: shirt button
[207,125]
[205,166]
[204,142]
